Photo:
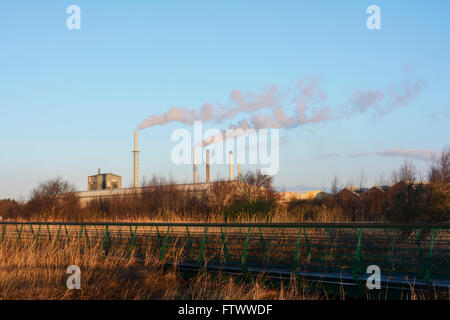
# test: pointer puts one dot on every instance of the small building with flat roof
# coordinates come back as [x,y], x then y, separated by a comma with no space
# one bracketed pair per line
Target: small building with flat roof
[104,181]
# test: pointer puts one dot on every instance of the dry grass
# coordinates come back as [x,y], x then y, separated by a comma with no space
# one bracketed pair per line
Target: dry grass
[280,215]
[30,272]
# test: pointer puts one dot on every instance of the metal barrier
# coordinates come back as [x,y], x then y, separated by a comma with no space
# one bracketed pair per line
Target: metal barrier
[412,251]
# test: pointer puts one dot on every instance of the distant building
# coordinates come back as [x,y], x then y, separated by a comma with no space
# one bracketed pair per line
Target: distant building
[104,181]
[360,191]
[122,193]
[374,192]
[303,195]
[347,193]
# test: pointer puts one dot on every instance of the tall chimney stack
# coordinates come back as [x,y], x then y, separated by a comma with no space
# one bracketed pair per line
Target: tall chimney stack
[195,166]
[239,172]
[207,166]
[231,165]
[136,160]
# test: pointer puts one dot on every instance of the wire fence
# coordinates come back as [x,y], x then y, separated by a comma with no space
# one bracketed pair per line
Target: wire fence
[419,252]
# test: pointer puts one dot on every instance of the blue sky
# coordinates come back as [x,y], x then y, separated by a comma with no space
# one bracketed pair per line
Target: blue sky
[70,99]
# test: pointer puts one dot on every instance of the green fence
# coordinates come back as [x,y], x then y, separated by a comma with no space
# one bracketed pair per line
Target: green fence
[418,252]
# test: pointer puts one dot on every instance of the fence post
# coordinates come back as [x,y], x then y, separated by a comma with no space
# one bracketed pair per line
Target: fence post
[67,235]
[57,236]
[392,250]
[419,247]
[36,240]
[307,244]
[19,232]
[244,254]
[191,249]
[164,247]
[49,233]
[202,246]
[106,236]
[159,236]
[297,247]
[357,261]
[429,262]
[263,244]
[87,237]
[224,245]
[79,236]
[133,238]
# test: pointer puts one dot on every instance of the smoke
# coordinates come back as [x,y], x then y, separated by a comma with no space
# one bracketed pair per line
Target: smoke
[307,100]
[387,100]
[328,155]
[421,154]
[311,104]
[187,116]
[240,102]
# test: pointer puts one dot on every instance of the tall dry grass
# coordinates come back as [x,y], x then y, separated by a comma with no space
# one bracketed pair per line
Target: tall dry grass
[31,271]
[37,270]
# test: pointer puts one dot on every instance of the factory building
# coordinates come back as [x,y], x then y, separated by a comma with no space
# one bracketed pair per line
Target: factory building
[108,185]
[104,181]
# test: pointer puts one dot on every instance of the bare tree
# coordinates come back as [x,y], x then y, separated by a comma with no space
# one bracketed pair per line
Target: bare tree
[260,180]
[335,185]
[362,179]
[350,183]
[52,188]
[406,172]
[381,181]
[52,196]
[439,169]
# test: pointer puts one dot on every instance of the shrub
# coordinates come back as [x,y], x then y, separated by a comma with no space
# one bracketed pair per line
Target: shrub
[420,203]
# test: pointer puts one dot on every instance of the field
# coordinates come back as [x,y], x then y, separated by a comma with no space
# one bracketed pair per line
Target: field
[39,272]
[232,242]
[138,261]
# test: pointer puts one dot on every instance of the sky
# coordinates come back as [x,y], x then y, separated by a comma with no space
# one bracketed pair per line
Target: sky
[71,99]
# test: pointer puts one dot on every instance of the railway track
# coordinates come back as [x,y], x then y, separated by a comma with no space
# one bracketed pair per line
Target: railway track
[408,255]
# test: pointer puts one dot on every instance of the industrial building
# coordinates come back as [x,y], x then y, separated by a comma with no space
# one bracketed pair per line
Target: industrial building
[104,181]
[109,186]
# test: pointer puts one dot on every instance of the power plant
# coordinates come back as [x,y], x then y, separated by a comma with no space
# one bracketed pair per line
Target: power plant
[106,185]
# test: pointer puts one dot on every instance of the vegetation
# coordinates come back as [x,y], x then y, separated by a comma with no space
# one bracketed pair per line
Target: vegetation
[253,199]
[30,271]
[420,203]
[39,272]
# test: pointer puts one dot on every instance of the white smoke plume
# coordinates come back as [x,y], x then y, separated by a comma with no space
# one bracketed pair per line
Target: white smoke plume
[307,100]
[240,102]
[421,154]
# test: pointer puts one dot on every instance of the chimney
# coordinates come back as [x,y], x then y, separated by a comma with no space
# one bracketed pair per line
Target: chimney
[239,172]
[195,166]
[98,171]
[207,166]
[231,165]
[136,160]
